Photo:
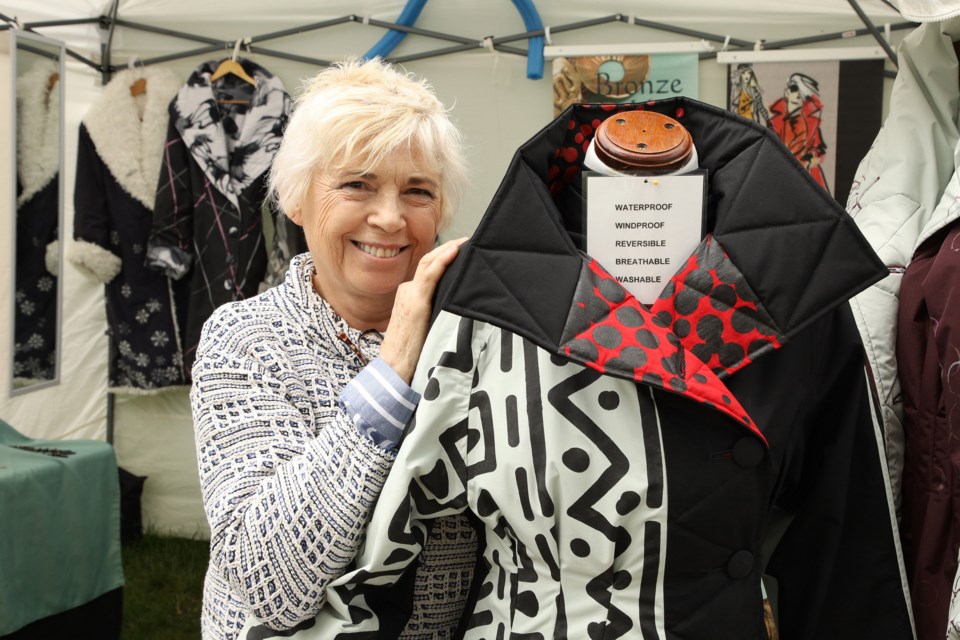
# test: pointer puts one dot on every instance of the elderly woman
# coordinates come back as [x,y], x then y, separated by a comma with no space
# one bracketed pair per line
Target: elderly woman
[300,395]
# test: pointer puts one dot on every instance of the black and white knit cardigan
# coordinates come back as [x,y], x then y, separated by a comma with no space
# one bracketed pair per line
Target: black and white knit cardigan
[289,472]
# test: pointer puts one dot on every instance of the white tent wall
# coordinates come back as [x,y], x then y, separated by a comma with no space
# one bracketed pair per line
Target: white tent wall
[494,103]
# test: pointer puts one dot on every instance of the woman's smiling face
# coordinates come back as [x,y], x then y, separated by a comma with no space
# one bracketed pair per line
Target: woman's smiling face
[367,230]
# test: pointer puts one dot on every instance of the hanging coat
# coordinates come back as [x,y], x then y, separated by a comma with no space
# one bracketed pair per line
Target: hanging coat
[903,199]
[928,352]
[624,462]
[37,226]
[118,159]
[208,232]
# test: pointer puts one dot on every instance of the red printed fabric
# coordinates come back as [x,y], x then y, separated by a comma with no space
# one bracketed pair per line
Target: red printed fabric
[715,313]
[610,331]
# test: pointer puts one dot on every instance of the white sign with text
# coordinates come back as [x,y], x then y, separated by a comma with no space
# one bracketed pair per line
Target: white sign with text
[643,229]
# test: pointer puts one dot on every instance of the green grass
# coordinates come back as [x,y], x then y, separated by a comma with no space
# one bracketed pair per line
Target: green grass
[164,588]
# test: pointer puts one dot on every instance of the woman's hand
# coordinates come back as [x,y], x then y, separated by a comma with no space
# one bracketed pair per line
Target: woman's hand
[407,329]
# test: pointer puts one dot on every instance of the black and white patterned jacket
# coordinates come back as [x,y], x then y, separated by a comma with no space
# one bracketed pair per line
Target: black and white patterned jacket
[625,464]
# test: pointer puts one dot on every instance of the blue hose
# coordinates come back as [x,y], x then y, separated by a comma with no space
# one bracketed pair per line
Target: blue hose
[411,11]
[390,40]
[531,20]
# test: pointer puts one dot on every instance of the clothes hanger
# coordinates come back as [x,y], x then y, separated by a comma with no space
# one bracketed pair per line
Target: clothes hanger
[51,83]
[139,85]
[230,65]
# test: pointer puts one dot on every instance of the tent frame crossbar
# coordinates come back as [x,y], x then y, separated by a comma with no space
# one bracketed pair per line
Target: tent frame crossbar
[692,33]
[826,37]
[32,26]
[460,43]
[875,32]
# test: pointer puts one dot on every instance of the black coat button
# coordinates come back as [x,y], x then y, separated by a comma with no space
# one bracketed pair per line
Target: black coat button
[233,232]
[740,564]
[748,452]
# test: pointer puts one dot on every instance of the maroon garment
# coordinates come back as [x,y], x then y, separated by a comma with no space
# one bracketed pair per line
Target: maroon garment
[928,351]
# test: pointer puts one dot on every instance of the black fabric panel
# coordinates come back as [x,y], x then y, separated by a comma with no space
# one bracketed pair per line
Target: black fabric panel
[810,400]
[715,510]
[767,205]
[90,199]
[523,270]
[836,560]
[131,518]
[858,119]
[100,619]
[38,224]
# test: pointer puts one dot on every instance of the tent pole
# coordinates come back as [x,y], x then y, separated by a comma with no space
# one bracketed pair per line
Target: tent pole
[876,34]
[86,61]
[289,56]
[60,23]
[106,44]
[182,54]
[305,28]
[107,23]
[167,32]
[826,37]
[456,49]
[419,31]
[683,31]
[498,43]
[839,35]
[111,403]
[572,26]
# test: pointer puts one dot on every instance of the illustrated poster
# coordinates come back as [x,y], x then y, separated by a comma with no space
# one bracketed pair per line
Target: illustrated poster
[826,113]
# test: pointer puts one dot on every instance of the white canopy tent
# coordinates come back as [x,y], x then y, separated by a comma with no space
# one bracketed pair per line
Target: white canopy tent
[495,104]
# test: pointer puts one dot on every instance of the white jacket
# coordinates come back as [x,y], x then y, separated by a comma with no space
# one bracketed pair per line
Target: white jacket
[903,193]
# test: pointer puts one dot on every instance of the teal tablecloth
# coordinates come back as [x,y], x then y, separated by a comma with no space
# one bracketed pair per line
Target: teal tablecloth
[59,526]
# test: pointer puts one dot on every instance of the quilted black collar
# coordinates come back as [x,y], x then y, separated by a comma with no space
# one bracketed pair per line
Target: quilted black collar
[779,253]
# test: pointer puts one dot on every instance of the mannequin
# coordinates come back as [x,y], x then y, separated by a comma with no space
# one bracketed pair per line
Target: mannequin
[641,143]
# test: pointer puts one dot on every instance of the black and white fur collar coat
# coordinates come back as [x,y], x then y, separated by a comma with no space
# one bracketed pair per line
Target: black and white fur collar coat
[120,148]
[37,224]
[38,129]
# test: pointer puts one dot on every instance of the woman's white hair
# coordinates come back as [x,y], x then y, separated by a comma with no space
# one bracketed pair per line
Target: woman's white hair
[358,113]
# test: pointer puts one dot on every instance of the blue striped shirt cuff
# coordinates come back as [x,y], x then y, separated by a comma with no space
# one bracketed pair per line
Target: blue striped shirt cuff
[380,404]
